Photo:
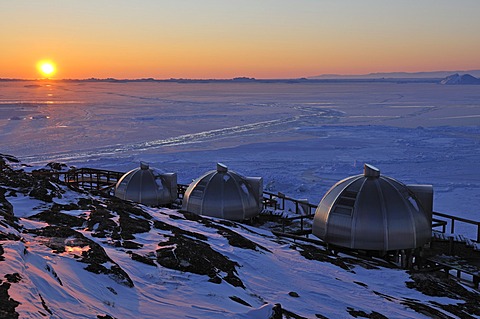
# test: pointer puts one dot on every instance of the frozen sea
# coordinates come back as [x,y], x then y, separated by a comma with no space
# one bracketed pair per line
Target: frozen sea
[300,137]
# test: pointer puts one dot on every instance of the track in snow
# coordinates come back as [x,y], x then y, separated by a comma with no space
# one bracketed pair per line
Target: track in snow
[210,135]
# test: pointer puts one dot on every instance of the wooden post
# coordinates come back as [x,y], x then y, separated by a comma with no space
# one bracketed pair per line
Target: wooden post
[478,233]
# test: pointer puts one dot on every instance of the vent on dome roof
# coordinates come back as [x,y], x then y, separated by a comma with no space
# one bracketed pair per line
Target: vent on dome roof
[222,168]
[370,171]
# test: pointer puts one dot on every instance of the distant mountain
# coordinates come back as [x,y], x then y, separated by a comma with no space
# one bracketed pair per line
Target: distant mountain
[457,79]
[397,75]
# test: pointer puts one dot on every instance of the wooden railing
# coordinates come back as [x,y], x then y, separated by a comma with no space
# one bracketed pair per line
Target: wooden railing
[451,220]
[83,177]
[89,178]
[279,200]
[99,179]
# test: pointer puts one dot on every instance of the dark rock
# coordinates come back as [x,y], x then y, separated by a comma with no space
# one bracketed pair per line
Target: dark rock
[427,310]
[233,237]
[360,284]
[44,305]
[66,207]
[240,301]
[175,217]
[13,278]
[130,226]
[6,210]
[276,312]
[237,240]
[362,314]
[54,274]
[113,291]
[85,203]
[438,285]
[95,256]
[131,245]
[178,231]
[315,253]
[233,280]
[293,294]
[191,216]
[216,280]
[7,304]
[100,223]
[8,158]
[41,193]
[56,218]
[55,231]
[59,167]
[288,314]
[142,259]
[120,206]
[9,236]
[185,254]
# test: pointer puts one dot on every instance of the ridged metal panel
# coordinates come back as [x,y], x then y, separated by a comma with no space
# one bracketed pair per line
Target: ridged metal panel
[224,194]
[147,186]
[374,212]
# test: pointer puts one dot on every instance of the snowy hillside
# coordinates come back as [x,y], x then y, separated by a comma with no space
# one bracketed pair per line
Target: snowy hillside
[68,254]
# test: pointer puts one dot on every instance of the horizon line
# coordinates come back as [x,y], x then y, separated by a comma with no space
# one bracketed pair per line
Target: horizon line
[324,76]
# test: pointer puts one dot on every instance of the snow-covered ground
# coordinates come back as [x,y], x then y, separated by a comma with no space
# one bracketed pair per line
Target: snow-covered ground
[300,137]
[55,283]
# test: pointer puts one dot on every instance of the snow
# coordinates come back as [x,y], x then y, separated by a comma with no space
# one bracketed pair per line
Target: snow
[269,276]
[300,137]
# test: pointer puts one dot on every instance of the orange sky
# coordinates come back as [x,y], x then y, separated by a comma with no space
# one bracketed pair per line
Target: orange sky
[225,39]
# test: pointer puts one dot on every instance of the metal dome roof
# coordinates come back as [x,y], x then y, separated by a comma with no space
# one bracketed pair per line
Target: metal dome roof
[374,212]
[224,194]
[147,186]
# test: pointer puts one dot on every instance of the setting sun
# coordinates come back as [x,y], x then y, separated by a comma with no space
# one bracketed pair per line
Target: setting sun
[46,68]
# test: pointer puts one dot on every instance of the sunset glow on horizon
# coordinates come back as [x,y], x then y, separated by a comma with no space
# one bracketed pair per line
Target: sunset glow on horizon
[223,39]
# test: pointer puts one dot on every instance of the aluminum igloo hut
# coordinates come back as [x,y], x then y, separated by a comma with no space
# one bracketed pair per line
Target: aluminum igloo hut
[147,186]
[374,212]
[225,194]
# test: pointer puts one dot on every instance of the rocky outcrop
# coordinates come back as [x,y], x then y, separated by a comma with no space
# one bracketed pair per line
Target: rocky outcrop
[186,254]
[59,237]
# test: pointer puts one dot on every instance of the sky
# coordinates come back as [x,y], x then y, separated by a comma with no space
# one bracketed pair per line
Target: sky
[225,38]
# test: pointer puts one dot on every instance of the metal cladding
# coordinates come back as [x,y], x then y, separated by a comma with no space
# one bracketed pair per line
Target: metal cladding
[147,186]
[224,194]
[374,212]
